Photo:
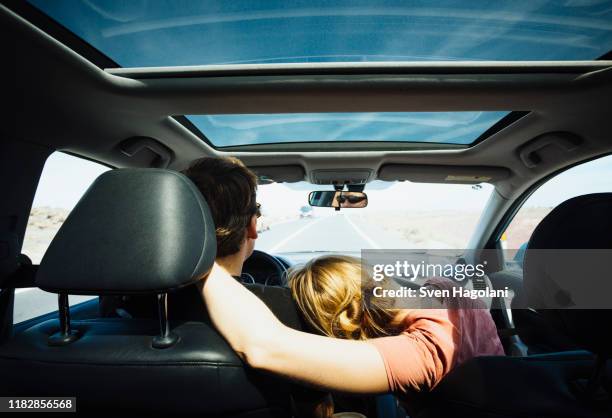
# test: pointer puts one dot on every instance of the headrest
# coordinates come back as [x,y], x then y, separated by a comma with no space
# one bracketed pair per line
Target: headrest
[134,231]
[566,270]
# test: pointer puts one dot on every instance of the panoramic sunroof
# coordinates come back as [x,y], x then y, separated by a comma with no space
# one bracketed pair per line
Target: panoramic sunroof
[141,33]
[456,128]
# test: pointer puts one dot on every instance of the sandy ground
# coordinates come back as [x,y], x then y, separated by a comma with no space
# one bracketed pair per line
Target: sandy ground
[523,224]
[451,229]
[44,223]
[438,229]
[431,230]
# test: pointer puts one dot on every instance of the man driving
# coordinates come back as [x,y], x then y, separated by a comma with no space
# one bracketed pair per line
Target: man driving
[229,188]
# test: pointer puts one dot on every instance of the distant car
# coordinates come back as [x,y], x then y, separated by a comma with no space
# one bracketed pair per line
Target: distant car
[305,212]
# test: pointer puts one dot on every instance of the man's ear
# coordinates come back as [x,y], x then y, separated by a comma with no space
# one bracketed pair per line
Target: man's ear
[252,228]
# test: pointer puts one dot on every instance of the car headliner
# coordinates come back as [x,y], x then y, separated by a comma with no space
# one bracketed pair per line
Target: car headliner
[69,103]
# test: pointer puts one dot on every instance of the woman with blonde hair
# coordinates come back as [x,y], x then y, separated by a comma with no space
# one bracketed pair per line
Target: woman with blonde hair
[329,292]
[368,345]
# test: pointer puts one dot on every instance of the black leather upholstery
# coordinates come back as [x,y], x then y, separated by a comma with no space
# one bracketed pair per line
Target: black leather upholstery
[584,222]
[534,386]
[113,367]
[134,230]
[553,384]
[537,334]
[187,304]
[139,231]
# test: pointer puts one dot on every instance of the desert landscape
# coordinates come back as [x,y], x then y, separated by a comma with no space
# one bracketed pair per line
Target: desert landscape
[43,224]
[523,224]
[433,229]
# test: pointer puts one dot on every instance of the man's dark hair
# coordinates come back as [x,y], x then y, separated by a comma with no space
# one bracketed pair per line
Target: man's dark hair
[229,188]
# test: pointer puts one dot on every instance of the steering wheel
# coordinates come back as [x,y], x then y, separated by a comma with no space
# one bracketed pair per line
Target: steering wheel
[274,271]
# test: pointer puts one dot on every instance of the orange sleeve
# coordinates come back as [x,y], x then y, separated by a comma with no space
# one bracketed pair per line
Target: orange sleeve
[417,359]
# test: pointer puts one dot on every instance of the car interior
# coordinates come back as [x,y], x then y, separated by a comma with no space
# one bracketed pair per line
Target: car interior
[160,353]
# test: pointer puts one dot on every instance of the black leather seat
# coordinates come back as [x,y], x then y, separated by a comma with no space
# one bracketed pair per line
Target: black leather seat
[113,368]
[537,336]
[186,304]
[534,386]
[567,384]
[136,231]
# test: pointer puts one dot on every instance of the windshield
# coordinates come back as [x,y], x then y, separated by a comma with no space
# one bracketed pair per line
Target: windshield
[143,33]
[399,215]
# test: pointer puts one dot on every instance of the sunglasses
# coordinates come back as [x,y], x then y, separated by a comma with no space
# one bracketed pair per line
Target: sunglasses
[350,199]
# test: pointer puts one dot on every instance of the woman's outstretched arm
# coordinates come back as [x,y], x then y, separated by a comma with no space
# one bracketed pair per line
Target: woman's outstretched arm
[265,343]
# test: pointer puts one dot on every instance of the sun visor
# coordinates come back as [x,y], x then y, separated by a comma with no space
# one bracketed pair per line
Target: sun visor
[442,174]
[279,173]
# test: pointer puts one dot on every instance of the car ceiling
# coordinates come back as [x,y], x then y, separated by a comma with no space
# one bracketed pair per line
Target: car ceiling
[63,101]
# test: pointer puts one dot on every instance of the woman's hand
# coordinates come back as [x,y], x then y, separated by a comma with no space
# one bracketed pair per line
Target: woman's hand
[265,343]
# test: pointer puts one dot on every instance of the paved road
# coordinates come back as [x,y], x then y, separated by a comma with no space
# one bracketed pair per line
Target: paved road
[336,233]
[342,233]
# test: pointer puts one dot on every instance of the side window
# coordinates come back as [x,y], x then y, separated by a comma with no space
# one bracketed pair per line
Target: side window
[63,181]
[591,177]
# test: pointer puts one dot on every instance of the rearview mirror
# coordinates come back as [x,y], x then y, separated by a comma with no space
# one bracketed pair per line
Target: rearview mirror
[333,199]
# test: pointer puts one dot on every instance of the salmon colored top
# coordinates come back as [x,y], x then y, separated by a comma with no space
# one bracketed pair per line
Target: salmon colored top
[436,340]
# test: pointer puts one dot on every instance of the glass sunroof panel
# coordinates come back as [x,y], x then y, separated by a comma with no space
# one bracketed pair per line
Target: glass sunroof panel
[142,33]
[459,128]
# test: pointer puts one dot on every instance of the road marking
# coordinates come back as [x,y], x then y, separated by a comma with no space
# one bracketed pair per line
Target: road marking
[292,236]
[363,235]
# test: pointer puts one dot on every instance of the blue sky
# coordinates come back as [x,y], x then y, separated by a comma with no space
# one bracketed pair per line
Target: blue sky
[443,127]
[169,32]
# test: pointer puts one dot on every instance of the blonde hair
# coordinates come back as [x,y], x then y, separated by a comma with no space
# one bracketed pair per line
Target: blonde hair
[333,298]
